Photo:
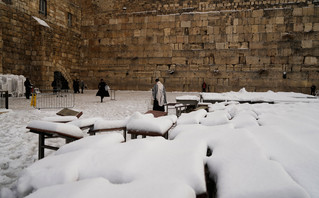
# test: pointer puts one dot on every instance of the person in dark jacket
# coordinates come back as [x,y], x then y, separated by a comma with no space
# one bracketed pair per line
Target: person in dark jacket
[103,90]
[313,90]
[76,86]
[82,86]
[54,86]
[204,87]
[65,85]
[28,87]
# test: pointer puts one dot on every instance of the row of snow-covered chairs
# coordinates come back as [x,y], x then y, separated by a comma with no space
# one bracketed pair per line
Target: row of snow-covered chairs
[70,128]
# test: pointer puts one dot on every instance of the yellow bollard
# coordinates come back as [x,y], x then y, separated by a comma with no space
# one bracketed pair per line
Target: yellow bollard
[33,100]
[31,104]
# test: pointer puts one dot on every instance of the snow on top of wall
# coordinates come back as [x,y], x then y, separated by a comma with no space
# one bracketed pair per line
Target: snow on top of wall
[41,22]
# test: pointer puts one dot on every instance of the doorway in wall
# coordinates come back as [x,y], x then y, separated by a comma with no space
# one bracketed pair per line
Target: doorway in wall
[60,82]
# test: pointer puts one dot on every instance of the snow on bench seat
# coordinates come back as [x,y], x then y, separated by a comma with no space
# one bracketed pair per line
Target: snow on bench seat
[216,118]
[188,97]
[61,119]
[193,117]
[109,125]
[58,128]
[91,142]
[47,129]
[101,125]
[148,125]
[85,122]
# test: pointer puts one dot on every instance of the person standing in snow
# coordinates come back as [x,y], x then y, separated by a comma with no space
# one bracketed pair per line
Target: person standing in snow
[54,86]
[204,87]
[159,96]
[103,90]
[313,90]
[28,86]
[82,86]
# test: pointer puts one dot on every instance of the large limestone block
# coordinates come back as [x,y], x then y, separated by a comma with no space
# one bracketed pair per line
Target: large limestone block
[253,60]
[310,60]
[258,13]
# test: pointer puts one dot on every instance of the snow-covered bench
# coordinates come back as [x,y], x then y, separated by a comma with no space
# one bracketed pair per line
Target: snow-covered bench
[187,102]
[179,107]
[149,125]
[60,119]
[119,125]
[109,125]
[188,99]
[47,129]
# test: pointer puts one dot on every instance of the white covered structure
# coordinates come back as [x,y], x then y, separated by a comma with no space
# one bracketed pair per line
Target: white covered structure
[14,84]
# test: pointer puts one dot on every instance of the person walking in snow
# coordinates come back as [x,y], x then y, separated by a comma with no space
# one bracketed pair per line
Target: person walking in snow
[159,96]
[103,90]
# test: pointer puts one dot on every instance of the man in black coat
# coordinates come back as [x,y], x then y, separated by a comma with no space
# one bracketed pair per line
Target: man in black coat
[28,86]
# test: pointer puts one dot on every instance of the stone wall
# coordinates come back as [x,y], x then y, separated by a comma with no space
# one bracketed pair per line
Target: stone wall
[16,37]
[229,49]
[182,6]
[230,44]
[1,47]
[36,51]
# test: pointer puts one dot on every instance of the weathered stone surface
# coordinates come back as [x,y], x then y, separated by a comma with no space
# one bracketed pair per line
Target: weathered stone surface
[229,44]
[34,50]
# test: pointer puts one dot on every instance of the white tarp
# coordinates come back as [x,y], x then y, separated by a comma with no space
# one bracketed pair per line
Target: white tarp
[14,84]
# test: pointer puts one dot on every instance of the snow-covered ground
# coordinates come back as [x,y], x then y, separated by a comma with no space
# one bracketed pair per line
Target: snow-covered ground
[259,150]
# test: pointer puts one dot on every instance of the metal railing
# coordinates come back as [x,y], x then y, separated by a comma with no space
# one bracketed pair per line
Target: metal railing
[4,99]
[48,99]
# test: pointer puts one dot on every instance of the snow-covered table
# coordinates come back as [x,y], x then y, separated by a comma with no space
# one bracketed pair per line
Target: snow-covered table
[47,129]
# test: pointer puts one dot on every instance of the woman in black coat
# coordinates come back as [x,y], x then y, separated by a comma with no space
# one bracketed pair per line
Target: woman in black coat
[103,90]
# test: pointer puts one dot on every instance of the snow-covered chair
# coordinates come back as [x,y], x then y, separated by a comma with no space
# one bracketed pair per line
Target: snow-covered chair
[119,125]
[46,129]
[83,123]
[109,125]
[149,125]
[193,117]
